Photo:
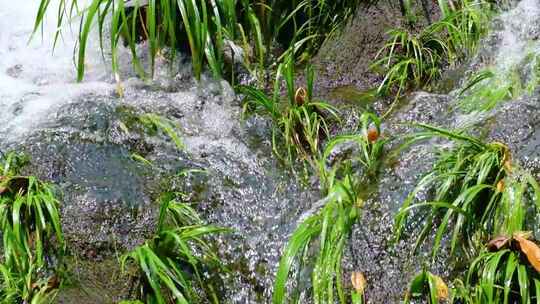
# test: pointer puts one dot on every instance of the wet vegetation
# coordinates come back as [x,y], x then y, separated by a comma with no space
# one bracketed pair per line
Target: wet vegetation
[467,180]
[169,267]
[413,60]
[33,244]
[248,30]
[476,207]
[300,121]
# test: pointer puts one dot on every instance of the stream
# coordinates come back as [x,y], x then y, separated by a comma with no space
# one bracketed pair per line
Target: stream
[84,138]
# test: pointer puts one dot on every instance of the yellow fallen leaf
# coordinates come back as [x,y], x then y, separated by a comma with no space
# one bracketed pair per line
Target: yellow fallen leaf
[531,251]
[442,289]
[508,165]
[500,186]
[359,282]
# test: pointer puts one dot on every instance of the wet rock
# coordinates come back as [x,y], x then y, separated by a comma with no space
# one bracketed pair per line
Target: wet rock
[517,125]
[420,107]
[346,59]
[95,282]
[106,196]
[109,199]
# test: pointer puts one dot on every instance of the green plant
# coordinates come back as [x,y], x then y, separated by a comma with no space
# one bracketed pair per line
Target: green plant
[155,123]
[477,193]
[33,243]
[429,286]
[162,23]
[413,60]
[150,124]
[506,272]
[207,27]
[476,79]
[464,181]
[486,89]
[410,60]
[464,24]
[299,120]
[370,147]
[328,231]
[168,267]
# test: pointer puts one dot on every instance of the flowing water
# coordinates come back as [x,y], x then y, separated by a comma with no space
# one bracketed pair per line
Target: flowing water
[83,136]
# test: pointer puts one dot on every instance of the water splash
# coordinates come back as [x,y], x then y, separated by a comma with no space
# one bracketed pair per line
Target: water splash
[34,80]
[520,27]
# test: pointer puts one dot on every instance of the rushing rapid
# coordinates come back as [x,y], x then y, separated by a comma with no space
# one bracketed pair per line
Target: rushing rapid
[79,136]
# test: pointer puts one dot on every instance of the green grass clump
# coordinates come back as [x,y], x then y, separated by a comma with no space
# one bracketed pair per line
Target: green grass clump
[507,269]
[476,194]
[501,277]
[205,27]
[33,243]
[370,148]
[464,181]
[475,190]
[327,231]
[300,121]
[486,89]
[169,266]
[413,60]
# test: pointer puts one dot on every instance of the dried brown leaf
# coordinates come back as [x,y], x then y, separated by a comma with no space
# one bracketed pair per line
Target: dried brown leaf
[498,243]
[300,96]
[500,185]
[17,184]
[359,282]
[530,250]
[373,134]
[442,288]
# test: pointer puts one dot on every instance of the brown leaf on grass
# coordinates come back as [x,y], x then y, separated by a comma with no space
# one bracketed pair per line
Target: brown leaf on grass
[359,282]
[498,243]
[300,96]
[508,165]
[2,187]
[442,289]
[529,249]
[373,134]
[507,157]
[53,282]
[500,186]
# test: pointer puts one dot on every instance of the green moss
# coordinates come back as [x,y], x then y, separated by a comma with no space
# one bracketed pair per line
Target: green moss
[350,94]
[491,91]
[91,281]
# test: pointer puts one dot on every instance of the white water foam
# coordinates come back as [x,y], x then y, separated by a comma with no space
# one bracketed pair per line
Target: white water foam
[518,24]
[33,80]
[516,41]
